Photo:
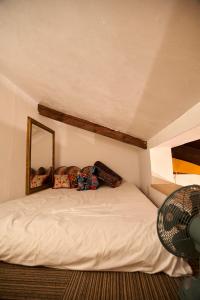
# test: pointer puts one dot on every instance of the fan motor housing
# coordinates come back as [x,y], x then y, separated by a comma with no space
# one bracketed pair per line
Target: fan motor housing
[194,231]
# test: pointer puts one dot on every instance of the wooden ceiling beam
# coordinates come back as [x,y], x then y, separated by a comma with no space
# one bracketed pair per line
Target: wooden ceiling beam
[86,125]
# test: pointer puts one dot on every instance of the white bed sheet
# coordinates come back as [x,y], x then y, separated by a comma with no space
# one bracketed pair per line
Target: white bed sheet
[106,229]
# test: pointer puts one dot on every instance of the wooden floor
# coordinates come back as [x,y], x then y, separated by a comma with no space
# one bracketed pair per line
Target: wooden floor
[18,282]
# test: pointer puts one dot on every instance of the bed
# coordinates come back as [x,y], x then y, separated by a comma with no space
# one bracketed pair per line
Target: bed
[107,229]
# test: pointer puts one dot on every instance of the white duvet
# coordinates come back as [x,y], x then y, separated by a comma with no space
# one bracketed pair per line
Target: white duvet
[107,229]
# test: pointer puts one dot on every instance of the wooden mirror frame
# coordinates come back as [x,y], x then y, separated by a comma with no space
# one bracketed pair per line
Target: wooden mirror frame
[30,122]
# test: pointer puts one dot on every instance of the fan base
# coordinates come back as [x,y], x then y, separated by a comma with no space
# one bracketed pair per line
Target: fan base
[190,289]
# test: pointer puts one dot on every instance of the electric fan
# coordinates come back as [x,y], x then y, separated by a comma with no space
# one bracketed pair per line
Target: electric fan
[178,227]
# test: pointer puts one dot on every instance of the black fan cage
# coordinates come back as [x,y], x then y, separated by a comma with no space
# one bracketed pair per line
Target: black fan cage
[174,216]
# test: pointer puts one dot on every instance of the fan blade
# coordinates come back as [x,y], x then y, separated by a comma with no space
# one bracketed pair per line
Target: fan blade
[170,217]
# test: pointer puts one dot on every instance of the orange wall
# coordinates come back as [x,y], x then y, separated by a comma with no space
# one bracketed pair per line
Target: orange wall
[184,167]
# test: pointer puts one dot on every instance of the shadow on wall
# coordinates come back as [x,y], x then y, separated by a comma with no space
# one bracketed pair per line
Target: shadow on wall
[13,162]
[75,146]
[175,72]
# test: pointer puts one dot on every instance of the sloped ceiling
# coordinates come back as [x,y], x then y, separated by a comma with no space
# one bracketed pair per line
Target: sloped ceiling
[133,66]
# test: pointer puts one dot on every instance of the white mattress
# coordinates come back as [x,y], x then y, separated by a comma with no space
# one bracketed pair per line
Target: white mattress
[107,229]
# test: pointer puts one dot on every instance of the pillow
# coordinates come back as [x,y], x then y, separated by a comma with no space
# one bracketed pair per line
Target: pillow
[107,175]
[41,171]
[60,170]
[87,180]
[89,170]
[32,174]
[72,172]
[38,180]
[61,181]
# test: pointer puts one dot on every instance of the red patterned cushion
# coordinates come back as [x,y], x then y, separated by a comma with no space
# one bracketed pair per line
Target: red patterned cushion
[61,181]
[72,173]
[38,180]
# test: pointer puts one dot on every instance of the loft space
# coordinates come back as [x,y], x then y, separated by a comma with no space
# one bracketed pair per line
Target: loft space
[98,100]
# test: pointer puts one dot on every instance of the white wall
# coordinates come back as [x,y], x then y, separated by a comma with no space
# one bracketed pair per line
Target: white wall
[82,148]
[187,179]
[161,163]
[41,149]
[15,107]
[145,171]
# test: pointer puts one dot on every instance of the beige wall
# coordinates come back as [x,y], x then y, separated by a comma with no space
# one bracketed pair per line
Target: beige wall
[15,107]
[82,148]
[187,179]
[161,163]
[145,171]
[41,148]
[73,146]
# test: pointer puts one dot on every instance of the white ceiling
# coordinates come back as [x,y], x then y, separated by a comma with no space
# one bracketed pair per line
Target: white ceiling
[133,66]
[186,137]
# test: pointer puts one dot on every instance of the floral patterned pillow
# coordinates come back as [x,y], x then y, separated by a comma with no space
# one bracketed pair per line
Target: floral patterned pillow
[73,172]
[61,181]
[38,180]
[87,180]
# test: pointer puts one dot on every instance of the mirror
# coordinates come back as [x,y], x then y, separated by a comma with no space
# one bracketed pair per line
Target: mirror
[39,156]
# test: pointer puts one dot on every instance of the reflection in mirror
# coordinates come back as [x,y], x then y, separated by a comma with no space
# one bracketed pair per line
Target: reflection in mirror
[40,156]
